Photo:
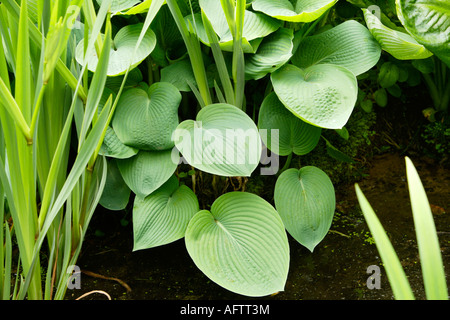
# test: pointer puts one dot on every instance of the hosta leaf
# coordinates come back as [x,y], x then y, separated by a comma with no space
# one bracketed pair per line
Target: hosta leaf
[274,51]
[180,74]
[295,135]
[163,216]
[241,244]
[147,171]
[116,193]
[302,11]
[142,7]
[169,45]
[388,74]
[305,200]
[223,140]
[122,53]
[429,23]
[399,44]
[120,5]
[349,44]
[114,148]
[323,95]
[256,25]
[146,119]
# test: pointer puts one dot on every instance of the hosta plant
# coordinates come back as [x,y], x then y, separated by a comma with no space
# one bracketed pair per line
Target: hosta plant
[421,36]
[186,104]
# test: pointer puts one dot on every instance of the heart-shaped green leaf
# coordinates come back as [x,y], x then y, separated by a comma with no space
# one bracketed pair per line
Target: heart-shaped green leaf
[223,140]
[323,95]
[169,46]
[114,148]
[295,135]
[116,193]
[146,119]
[305,200]
[122,53]
[302,11]
[388,74]
[274,51]
[399,44]
[349,44]
[256,25]
[163,216]
[241,244]
[180,74]
[428,21]
[148,170]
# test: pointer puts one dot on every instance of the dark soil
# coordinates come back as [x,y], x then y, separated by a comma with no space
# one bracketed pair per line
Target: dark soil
[336,270]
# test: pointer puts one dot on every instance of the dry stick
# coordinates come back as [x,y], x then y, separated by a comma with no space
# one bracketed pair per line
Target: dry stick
[94,291]
[96,275]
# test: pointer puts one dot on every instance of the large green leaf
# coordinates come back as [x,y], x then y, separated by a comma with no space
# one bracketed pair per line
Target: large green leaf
[256,26]
[122,53]
[399,44]
[180,74]
[274,51]
[117,6]
[302,11]
[305,200]
[349,44]
[114,148]
[146,119]
[428,21]
[223,140]
[147,171]
[295,135]
[169,45]
[241,244]
[163,216]
[323,95]
[116,193]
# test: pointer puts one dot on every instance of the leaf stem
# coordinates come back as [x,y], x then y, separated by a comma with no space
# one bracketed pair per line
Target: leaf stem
[287,164]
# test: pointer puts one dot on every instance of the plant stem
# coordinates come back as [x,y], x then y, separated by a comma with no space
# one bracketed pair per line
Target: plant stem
[433,90]
[287,164]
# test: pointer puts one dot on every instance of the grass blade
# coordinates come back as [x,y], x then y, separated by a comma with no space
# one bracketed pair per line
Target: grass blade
[10,104]
[194,50]
[36,36]
[429,249]
[397,278]
[220,60]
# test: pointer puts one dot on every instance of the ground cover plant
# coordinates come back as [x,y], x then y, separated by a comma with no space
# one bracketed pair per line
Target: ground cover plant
[131,104]
[308,68]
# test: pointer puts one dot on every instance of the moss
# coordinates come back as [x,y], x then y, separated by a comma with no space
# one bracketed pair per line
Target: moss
[358,147]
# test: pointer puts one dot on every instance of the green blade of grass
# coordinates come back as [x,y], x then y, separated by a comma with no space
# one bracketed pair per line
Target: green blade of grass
[194,50]
[427,240]
[220,60]
[73,177]
[238,55]
[396,275]
[35,36]
[10,104]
